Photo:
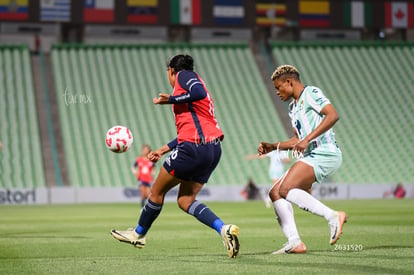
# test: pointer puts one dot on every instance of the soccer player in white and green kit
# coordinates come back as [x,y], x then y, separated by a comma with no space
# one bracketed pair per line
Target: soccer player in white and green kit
[313,117]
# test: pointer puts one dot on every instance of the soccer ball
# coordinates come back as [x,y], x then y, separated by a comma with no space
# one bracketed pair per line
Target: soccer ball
[119,139]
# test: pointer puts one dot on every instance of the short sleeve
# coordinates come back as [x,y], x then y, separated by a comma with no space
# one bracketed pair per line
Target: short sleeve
[316,99]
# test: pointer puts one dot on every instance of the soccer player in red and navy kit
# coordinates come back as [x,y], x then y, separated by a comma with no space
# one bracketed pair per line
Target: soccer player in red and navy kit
[142,169]
[194,154]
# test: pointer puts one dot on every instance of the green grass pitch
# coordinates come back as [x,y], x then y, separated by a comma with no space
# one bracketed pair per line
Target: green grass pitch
[74,239]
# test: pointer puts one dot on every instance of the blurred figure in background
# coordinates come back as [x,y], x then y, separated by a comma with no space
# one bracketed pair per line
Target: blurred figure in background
[143,170]
[251,191]
[278,160]
[398,192]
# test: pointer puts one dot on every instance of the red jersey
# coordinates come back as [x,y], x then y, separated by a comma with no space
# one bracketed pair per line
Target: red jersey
[195,120]
[399,192]
[144,169]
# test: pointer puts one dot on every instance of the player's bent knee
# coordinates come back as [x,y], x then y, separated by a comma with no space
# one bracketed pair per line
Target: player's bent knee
[283,191]
[184,203]
[274,194]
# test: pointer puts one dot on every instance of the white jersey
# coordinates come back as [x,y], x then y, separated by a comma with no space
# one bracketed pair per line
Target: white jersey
[305,115]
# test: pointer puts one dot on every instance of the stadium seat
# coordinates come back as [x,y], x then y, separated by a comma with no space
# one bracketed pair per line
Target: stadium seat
[21,163]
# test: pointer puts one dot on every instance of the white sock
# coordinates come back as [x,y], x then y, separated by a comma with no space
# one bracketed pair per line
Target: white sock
[286,219]
[309,203]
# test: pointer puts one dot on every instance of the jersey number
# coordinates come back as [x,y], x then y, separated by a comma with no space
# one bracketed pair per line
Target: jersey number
[298,127]
[211,110]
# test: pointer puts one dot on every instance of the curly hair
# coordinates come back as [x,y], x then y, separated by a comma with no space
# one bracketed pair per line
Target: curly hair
[285,71]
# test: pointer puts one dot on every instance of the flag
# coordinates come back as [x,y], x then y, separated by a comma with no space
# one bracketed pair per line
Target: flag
[101,11]
[142,11]
[399,14]
[14,10]
[270,14]
[357,14]
[314,13]
[186,12]
[228,12]
[55,10]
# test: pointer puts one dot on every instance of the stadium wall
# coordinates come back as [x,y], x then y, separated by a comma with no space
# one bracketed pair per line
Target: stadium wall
[72,195]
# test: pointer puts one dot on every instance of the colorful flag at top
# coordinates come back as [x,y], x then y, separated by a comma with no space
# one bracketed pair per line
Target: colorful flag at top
[357,14]
[399,15]
[314,13]
[55,10]
[228,12]
[142,11]
[14,10]
[186,12]
[271,14]
[98,11]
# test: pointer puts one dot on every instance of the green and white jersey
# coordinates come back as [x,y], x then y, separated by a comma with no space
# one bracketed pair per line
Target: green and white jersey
[306,115]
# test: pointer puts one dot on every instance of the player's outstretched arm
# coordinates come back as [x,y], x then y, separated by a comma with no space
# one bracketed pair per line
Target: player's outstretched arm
[266,147]
[250,157]
[197,93]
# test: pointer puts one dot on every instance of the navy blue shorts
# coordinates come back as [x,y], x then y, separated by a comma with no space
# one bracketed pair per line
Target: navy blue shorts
[144,183]
[193,162]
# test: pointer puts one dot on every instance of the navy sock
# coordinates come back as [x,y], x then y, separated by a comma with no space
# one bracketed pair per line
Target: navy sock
[205,215]
[149,213]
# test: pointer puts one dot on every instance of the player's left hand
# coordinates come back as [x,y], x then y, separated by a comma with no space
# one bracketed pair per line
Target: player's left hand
[161,99]
[301,146]
[155,156]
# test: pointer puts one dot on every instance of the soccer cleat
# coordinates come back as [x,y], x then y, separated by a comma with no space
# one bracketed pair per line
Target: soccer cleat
[297,247]
[129,236]
[336,226]
[229,234]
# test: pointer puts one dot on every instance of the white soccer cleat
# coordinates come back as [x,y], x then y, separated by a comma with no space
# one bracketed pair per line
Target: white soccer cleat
[289,248]
[229,234]
[336,225]
[129,236]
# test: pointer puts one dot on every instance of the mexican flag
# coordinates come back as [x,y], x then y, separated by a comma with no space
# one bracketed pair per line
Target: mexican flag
[186,12]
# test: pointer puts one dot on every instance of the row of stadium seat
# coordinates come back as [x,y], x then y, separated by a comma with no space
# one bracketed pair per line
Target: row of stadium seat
[98,87]
[371,87]
[21,158]
[120,83]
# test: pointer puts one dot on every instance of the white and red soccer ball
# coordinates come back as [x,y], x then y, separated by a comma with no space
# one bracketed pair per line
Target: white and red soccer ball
[119,139]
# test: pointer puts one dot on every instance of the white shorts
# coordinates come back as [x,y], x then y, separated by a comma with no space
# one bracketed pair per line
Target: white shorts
[324,163]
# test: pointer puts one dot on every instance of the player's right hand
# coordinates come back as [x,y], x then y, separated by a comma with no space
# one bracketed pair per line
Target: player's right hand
[264,148]
[161,99]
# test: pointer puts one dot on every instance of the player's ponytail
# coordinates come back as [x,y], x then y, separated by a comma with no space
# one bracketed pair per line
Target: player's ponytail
[181,62]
